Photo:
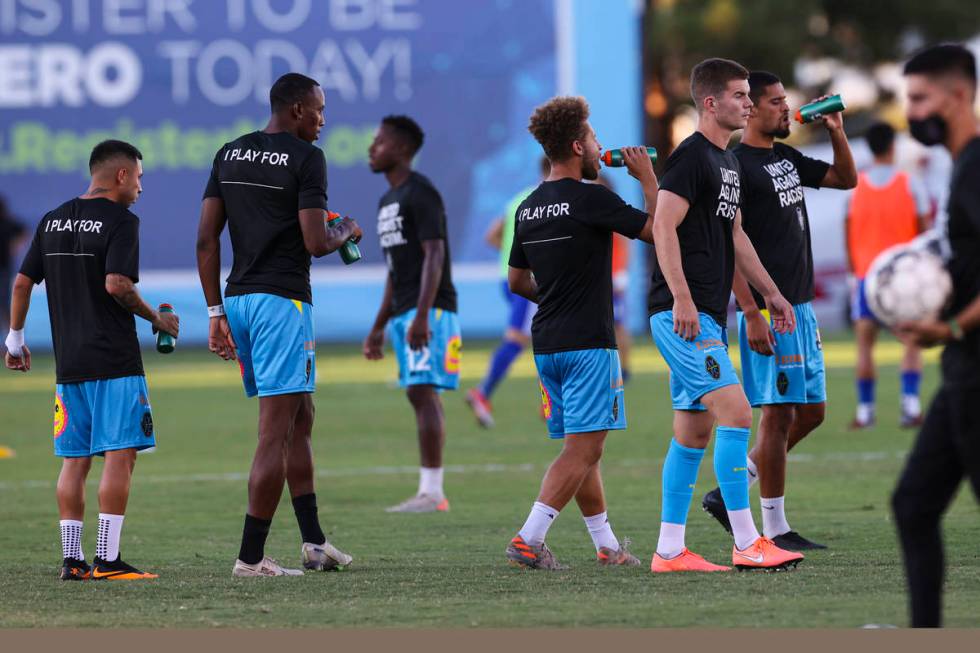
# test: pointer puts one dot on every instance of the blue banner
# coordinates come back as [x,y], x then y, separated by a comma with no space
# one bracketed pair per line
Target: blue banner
[179,78]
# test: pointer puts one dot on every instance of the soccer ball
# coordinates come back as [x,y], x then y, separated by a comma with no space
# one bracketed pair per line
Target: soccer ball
[907,283]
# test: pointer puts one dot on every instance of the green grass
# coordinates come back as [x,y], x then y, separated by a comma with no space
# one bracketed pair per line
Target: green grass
[448,570]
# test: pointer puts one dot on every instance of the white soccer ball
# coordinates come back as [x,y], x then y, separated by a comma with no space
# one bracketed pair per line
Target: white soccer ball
[907,283]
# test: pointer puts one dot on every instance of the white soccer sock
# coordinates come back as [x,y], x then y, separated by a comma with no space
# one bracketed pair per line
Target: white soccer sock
[753,471]
[71,539]
[911,405]
[743,528]
[538,522]
[774,517]
[671,541]
[430,482]
[865,413]
[107,544]
[601,531]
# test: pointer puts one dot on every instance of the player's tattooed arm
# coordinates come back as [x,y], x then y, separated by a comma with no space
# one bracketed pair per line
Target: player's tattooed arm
[521,282]
[122,289]
[320,240]
[374,343]
[748,264]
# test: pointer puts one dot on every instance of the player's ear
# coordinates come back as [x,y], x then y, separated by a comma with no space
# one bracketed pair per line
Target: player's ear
[121,174]
[577,148]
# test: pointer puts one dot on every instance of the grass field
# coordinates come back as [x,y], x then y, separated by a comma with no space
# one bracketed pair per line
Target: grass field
[188,499]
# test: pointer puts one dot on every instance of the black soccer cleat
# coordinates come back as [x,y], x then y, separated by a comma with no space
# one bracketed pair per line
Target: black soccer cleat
[75,569]
[793,541]
[714,505]
[117,570]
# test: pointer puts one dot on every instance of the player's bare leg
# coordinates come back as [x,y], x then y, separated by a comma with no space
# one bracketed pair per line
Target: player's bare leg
[865,334]
[579,455]
[71,510]
[431,424]
[277,417]
[117,475]
[316,552]
[591,500]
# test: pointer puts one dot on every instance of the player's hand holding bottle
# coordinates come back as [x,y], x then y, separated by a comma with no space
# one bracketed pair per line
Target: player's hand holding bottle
[166,322]
[639,165]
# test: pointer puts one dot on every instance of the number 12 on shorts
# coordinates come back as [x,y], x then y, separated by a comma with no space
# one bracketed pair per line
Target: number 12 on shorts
[419,360]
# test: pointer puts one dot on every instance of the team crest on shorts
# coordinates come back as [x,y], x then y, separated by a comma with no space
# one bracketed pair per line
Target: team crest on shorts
[453,355]
[147,424]
[545,401]
[711,367]
[60,416]
[782,383]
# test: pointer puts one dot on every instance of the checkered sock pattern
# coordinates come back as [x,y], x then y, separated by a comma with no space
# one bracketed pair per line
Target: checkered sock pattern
[107,543]
[71,539]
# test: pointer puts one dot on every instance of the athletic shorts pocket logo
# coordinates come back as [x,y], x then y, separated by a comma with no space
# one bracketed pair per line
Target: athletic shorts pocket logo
[545,401]
[60,416]
[712,368]
[453,355]
[615,408]
[782,383]
[147,424]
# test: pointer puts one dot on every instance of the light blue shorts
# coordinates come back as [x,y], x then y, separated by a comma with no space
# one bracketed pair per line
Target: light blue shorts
[276,345]
[92,417]
[581,391]
[795,373]
[696,367]
[436,364]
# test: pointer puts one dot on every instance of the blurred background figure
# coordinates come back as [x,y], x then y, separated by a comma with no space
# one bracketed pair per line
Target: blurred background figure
[12,236]
[521,311]
[888,207]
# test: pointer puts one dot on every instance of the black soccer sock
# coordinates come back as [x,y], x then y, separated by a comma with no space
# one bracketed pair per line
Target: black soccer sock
[309,523]
[253,539]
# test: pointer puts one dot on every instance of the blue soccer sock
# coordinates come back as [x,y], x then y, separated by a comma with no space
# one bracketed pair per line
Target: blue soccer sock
[679,476]
[910,382]
[866,391]
[499,364]
[731,469]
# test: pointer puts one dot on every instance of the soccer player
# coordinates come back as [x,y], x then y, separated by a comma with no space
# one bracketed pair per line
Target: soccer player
[699,243]
[941,87]
[419,299]
[887,208]
[86,252]
[561,259]
[782,373]
[518,333]
[270,187]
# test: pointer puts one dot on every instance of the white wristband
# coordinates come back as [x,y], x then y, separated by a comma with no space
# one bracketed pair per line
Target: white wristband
[15,342]
[216,311]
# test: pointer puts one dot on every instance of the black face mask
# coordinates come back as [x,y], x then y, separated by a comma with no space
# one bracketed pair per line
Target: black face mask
[929,131]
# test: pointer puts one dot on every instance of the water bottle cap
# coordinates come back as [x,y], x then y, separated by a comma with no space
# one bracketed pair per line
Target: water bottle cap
[607,157]
[798,116]
[163,306]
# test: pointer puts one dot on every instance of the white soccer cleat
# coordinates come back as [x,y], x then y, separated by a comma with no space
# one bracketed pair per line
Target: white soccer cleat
[266,567]
[421,503]
[324,557]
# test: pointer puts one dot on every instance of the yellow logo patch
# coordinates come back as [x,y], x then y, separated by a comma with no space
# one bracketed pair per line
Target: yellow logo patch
[60,416]
[454,354]
[545,401]
[298,304]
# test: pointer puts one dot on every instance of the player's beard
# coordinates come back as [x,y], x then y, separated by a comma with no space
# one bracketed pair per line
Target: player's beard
[590,168]
[779,132]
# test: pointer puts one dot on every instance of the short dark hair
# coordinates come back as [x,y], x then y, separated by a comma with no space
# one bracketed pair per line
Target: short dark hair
[759,81]
[880,137]
[111,149]
[557,123]
[711,76]
[943,59]
[407,129]
[290,89]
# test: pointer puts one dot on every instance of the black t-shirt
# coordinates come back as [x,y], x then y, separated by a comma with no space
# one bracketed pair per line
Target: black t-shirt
[407,215]
[774,215]
[563,234]
[265,180]
[708,178]
[74,248]
[963,230]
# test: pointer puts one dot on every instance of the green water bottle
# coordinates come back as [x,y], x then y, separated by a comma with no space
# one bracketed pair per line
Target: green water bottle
[816,110]
[349,251]
[614,158]
[165,342]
